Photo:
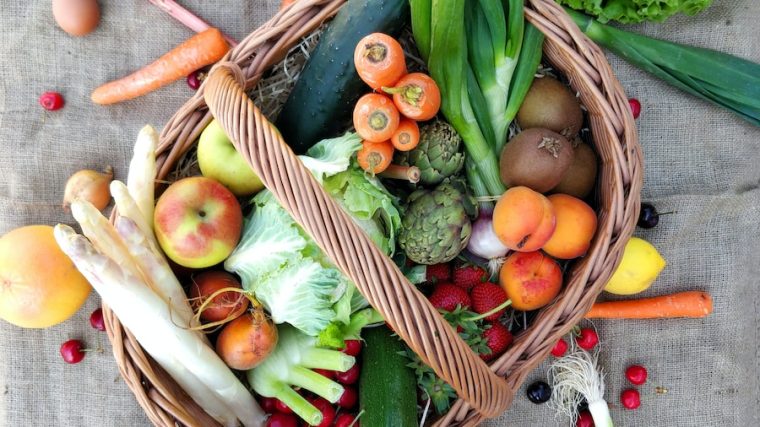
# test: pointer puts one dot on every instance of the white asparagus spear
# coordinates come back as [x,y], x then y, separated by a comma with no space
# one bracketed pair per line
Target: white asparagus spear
[107,240]
[153,264]
[127,207]
[142,172]
[149,318]
[103,235]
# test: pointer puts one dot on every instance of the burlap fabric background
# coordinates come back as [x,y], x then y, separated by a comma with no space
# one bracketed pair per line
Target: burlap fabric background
[700,162]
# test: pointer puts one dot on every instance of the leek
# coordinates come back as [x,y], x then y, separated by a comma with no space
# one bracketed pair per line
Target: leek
[483,56]
[724,80]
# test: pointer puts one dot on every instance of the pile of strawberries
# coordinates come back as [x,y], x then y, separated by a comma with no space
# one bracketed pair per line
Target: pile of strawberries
[463,289]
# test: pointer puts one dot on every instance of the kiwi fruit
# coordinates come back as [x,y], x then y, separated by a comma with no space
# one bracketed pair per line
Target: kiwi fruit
[551,105]
[536,158]
[580,177]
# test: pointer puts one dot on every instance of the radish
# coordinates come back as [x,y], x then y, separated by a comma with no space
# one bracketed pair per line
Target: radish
[348,377]
[328,412]
[348,398]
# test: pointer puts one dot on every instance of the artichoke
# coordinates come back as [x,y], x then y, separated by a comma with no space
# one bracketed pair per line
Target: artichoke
[437,223]
[437,155]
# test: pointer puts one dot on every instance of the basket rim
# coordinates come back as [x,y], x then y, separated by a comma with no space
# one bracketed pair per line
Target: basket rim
[622,168]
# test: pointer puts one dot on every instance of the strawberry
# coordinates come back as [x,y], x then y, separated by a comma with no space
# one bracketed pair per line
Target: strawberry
[447,297]
[467,276]
[438,273]
[498,338]
[486,297]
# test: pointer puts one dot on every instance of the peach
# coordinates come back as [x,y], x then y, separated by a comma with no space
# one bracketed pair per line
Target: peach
[576,225]
[523,219]
[530,279]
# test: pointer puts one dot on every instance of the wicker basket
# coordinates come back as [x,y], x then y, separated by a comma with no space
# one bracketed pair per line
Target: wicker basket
[485,391]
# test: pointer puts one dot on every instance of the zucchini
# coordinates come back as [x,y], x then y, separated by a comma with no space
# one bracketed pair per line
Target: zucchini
[322,101]
[387,386]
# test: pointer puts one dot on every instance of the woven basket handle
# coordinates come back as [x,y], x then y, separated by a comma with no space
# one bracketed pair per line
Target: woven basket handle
[375,275]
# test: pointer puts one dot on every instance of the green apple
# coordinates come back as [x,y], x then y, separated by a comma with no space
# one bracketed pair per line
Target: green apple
[219,160]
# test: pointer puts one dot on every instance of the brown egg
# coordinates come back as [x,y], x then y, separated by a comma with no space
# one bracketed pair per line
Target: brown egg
[76,17]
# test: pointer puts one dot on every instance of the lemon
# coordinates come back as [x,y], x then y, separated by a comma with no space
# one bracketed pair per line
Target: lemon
[640,266]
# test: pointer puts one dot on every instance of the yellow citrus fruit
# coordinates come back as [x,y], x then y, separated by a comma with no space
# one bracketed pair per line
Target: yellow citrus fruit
[640,266]
[39,285]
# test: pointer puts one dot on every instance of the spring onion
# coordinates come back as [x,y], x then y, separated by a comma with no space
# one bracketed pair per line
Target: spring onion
[575,377]
[725,80]
[483,56]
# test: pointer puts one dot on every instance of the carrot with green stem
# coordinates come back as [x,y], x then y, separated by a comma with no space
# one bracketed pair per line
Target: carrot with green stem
[682,304]
[202,49]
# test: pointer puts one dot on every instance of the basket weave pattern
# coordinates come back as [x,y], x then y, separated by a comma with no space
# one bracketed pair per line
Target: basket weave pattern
[484,391]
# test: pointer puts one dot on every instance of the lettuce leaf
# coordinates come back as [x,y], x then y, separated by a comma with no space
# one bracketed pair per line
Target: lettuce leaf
[369,204]
[302,294]
[633,11]
[286,270]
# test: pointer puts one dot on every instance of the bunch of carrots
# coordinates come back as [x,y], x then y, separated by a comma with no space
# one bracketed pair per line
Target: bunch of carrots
[386,118]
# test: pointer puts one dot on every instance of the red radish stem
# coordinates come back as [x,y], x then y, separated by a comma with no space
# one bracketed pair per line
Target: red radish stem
[187,18]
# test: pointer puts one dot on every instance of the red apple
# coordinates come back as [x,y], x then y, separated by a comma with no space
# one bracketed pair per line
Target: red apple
[198,222]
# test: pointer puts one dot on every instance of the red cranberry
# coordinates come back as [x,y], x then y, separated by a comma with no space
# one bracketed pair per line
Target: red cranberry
[630,399]
[636,374]
[51,101]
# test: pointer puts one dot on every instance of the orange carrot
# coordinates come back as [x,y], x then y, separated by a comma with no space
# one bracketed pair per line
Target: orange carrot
[407,135]
[286,3]
[682,304]
[198,51]
[375,157]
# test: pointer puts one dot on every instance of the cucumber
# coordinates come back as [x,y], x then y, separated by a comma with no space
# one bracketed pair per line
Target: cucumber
[387,387]
[322,101]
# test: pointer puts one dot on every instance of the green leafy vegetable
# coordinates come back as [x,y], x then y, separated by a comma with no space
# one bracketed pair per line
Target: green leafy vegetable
[632,11]
[286,270]
[725,80]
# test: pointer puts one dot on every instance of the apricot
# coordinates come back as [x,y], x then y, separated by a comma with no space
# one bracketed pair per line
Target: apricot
[530,279]
[523,219]
[576,225]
